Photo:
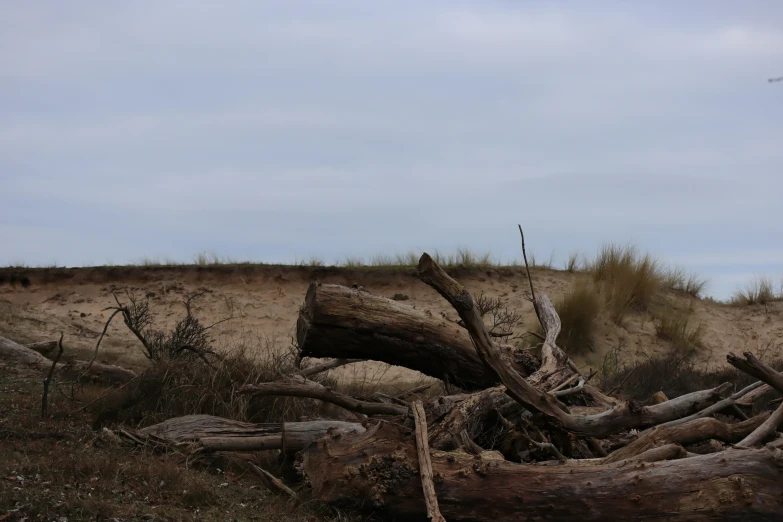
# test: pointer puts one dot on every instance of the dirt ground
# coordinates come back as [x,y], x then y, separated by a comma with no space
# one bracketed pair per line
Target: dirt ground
[58,469]
[262,303]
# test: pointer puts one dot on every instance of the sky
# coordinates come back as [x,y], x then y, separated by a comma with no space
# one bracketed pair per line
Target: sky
[277,131]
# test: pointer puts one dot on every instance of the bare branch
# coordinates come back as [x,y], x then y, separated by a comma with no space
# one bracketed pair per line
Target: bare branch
[318,368]
[425,464]
[764,431]
[48,380]
[312,390]
[754,367]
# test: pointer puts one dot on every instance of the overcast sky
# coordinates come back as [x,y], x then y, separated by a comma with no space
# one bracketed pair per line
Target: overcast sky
[274,131]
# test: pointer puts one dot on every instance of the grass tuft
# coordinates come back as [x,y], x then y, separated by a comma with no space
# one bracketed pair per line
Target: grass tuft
[578,310]
[679,280]
[629,280]
[759,290]
[675,325]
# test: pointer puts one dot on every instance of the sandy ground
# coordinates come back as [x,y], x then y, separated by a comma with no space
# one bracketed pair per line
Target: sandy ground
[263,303]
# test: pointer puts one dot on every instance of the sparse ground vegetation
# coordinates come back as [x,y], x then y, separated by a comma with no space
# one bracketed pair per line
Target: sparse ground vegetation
[674,323]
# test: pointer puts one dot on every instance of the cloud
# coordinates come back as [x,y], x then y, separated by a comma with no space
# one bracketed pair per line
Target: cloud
[280,130]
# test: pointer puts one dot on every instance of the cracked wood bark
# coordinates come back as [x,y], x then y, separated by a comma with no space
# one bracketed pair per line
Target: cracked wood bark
[69,368]
[341,322]
[376,470]
[624,416]
[219,434]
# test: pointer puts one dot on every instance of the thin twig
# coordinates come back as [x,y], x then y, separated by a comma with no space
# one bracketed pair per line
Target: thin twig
[44,399]
[95,354]
[271,482]
[417,389]
[530,279]
[551,448]
[619,386]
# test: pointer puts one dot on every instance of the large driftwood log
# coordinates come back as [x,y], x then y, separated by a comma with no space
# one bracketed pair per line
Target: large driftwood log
[378,470]
[70,369]
[341,322]
[624,416]
[219,434]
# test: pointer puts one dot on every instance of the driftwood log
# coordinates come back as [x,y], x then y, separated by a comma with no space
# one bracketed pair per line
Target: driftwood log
[348,323]
[379,468]
[219,434]
[32,355]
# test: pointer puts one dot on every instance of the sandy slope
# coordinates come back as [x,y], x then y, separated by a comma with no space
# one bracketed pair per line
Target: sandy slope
[264,301]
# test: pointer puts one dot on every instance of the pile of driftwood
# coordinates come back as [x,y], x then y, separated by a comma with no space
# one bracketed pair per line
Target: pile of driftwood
[522,438]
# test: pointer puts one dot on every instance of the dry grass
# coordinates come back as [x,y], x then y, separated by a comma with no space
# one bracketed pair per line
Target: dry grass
[578,310]
[679,280]
[629,280]
[760,290]
[574,263]
[59,469]
[674,324]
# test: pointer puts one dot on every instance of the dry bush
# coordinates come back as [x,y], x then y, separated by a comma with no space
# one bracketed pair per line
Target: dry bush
[175,387]
[629,280]
[674,324]
[673,372]
[578,310]
[760,290]
[501,319]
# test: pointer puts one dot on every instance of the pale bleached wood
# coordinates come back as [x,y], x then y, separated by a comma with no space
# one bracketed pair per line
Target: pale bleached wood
[765,431]
[219,434]
[329,365]
[272,482]
[690,432]
[425,464]
[12,351]
[313,390]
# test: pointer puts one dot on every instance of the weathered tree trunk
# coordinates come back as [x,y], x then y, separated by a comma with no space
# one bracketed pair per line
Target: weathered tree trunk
[219,434]
[70,368]
[378,470]
[347,323]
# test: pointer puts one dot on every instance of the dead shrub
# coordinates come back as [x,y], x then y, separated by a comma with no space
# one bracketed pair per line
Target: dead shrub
[177,387]
[502,319]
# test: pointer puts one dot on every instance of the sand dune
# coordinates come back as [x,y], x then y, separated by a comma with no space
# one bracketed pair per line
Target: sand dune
[263,302]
